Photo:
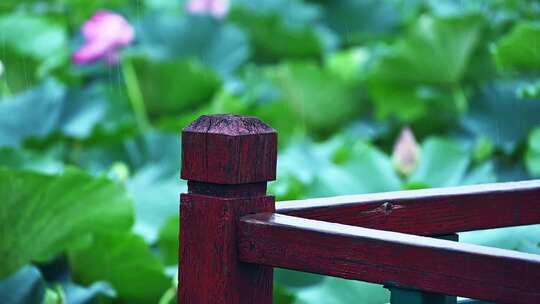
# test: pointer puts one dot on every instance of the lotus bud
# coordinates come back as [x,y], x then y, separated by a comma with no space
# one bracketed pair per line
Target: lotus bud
[406,152]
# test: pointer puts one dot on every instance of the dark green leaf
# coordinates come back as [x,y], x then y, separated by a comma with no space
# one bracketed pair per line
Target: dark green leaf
[54,295]
[509,171]
[498,114]
[150,148]
[214,43]
[482,174]
[483,149]
[282,296]
[83,109]
[34,36]
[53,213]
[426,65]
[280,29]
[163,4]
[156,198]
[20,72]
[149,164]
[81,10]
[339,291]
[296,279]
[529,89]
[172,87]
[443,163]
[168,241]
[155,185]
[32,161]
[513,238]
[359,19]
[519,49]
[532,157]
[320,100]
[76,113]
[125,261]
[436,51]
[366,169]
[35,113]
[371,170]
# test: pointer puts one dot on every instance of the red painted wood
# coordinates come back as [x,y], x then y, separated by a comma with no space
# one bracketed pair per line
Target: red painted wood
[227,160]
[430,211]
[229,149]
[387,257]
[210,271]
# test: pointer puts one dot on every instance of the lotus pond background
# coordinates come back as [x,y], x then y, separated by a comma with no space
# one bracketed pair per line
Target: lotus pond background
[89,153]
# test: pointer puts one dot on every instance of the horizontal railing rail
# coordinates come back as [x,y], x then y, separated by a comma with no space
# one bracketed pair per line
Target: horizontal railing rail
[429,211]
[389,258]
[232,234]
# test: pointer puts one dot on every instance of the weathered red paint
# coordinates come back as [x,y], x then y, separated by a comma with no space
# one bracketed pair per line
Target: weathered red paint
[229,149]
[390,258]
[429,211]
[231,236]
[227,160]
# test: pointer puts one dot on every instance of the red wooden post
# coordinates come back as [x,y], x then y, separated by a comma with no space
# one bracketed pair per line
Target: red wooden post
[227,160]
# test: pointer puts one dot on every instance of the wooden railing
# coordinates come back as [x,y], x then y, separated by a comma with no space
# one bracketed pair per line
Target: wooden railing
[232,235]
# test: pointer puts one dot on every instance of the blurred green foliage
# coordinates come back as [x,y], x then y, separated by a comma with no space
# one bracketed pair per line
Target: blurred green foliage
[89,155]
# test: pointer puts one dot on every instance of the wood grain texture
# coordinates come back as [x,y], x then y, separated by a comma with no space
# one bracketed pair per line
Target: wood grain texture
[390,258]
[210,271]
[400,295]
[229,149]
[430,211]
[227,161]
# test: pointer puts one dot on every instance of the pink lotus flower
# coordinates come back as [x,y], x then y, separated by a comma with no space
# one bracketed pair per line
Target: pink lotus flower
[105,34]
[216,8]
[406,152]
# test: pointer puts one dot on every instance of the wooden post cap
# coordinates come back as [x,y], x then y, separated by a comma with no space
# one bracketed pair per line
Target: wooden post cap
[229,149]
